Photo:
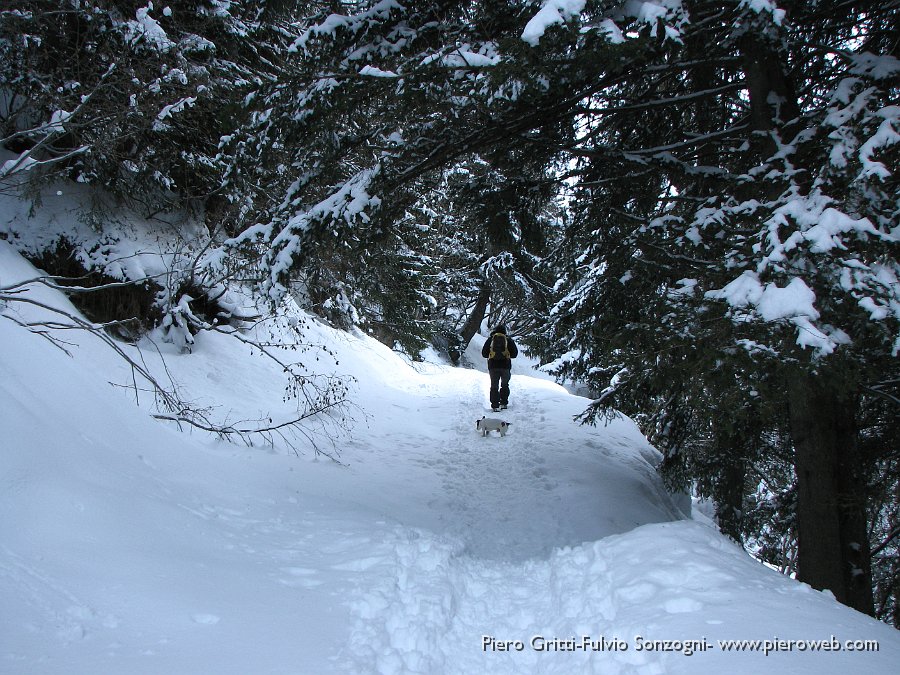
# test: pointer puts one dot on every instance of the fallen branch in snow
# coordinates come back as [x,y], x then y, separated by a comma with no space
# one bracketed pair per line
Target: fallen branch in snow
[318,398]
[266,432]
[44,326]
[52,281]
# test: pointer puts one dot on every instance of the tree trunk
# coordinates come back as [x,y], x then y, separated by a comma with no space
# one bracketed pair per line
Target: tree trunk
[730,493]
[476,316]
[773,99]
[832,538]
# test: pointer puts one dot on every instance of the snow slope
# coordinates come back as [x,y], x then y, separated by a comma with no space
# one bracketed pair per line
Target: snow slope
[127,546]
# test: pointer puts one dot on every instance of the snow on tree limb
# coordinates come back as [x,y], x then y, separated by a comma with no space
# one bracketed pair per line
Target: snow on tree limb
[553,12]
[380,11]
[351,203]
[668,13]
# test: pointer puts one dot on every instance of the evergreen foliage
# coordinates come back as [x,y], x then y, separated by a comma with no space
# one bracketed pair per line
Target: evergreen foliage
[749,265]
[127,96]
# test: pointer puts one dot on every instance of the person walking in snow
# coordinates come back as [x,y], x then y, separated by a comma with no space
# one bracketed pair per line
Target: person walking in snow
[499,350]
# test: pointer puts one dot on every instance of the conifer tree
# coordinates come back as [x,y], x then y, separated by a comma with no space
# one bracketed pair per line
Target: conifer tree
[754,262]
[126,96]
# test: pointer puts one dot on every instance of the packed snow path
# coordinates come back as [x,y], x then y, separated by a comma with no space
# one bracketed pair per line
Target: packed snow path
[127,547]
[535,489]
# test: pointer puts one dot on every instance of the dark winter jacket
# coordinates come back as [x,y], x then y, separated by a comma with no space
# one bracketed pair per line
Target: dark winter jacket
[499,361]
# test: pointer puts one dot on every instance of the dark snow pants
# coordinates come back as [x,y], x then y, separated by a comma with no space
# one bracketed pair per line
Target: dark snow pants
[499,386]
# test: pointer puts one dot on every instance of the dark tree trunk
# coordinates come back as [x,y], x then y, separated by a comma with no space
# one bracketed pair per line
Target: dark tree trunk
[476,316]
[832,538]
[730,489]
[773,99]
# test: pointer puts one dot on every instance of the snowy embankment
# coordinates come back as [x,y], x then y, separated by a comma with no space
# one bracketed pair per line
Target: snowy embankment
[127,546]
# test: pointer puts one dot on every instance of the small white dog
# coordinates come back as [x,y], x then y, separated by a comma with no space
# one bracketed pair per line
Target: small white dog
[488,424]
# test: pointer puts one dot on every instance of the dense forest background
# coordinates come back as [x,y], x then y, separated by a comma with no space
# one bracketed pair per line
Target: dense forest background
[689,208]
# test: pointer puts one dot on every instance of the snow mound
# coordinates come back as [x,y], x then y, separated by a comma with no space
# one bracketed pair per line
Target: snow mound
[665,598]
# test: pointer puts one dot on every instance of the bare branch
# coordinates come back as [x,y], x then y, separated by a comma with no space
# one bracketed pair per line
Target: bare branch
[318,399]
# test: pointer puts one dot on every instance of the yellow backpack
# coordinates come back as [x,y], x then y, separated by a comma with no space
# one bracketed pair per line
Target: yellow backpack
[499,346]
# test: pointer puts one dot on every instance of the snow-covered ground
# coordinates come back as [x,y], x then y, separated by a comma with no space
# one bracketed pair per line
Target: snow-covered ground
[127,546]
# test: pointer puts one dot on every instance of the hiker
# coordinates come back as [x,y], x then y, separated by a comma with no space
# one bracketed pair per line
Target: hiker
[499,350]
